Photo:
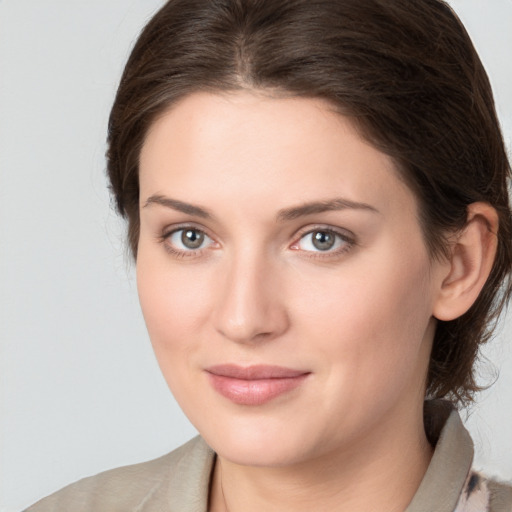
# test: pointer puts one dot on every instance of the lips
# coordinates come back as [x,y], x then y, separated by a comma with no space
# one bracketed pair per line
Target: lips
[254,385]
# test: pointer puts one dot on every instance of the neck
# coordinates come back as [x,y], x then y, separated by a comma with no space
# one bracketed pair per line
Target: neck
[379,471]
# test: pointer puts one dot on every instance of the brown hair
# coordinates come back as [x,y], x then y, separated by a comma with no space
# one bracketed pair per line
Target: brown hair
[405,71]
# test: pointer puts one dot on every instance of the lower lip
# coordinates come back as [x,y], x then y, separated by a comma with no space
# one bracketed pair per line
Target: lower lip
[255,391]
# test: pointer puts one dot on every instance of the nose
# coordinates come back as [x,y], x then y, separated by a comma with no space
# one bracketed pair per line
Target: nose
[250,306]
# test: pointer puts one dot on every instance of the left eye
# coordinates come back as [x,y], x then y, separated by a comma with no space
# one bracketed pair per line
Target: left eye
[321,240]
[189,239]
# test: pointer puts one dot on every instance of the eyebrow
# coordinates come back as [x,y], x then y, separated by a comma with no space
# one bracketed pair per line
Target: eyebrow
[283,215]
[179,206]
[322,206]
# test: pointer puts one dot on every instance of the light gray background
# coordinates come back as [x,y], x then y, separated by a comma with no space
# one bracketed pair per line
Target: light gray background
[80,390]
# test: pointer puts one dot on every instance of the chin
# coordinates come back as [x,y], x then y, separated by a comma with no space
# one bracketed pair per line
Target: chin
[262,443]
[263,454]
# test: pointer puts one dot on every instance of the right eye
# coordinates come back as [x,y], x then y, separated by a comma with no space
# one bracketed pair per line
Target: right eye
[187,240]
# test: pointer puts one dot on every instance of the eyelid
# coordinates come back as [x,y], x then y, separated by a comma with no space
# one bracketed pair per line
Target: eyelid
[172,228]
[311,228]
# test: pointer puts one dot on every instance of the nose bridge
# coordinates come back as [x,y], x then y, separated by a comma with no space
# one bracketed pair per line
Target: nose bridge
[249,306]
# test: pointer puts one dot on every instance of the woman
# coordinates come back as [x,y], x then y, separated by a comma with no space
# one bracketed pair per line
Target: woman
[316,195]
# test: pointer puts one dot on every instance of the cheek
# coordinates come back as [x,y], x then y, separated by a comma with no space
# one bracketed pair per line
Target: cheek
[174,303]
[395,348]
[371,317]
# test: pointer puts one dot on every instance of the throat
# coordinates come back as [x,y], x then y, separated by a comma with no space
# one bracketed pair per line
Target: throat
[387,485]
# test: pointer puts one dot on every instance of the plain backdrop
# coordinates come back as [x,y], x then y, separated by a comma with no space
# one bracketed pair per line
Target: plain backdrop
[80,390]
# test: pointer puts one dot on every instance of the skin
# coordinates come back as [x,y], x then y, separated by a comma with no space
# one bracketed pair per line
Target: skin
[358,318]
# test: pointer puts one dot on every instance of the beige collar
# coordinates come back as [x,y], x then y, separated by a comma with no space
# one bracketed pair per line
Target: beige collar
[446,474]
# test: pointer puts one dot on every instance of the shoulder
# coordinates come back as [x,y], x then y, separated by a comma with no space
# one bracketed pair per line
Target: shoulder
[500,494]
[181,476]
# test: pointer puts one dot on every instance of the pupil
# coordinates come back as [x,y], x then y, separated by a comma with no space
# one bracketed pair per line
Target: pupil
[323,240]
[192,239]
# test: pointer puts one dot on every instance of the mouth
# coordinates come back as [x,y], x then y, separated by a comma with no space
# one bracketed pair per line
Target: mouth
[254,385]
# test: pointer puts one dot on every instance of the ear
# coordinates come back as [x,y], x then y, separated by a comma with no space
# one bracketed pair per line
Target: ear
[471,258]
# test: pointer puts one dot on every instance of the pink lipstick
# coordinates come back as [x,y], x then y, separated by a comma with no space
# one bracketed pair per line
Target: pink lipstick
[253,385]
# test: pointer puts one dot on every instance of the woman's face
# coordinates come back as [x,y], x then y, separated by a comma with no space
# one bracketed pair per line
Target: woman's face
[283,277]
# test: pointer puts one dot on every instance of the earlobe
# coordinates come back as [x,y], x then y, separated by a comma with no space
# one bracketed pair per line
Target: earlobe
[471,259]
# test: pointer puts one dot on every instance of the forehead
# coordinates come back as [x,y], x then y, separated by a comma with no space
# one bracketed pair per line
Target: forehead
[244,145]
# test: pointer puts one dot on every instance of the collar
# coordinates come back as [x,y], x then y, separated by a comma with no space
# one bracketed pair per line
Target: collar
[444,480]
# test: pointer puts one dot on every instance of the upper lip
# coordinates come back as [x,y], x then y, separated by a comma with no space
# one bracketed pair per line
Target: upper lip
[255,372]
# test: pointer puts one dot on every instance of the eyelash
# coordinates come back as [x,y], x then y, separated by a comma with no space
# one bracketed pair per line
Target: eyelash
[348,242]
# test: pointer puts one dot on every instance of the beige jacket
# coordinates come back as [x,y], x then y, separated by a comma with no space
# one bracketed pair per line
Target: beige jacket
[179,481]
